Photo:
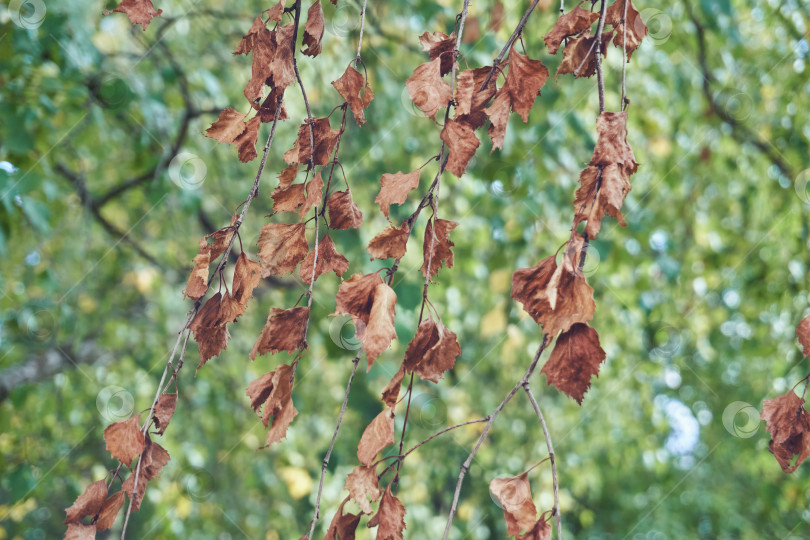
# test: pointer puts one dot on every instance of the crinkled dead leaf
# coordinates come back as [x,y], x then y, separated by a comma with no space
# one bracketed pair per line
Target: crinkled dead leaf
[441,46]
[636,29]
[288,199]
[109,511]
[154,458]
[574,296]
[471,100]
[515,496]
[377,435]
[228,126]
[255,34]
[432,351]
[246,277]
[285,330]
[390,394]
[353,88]
[287,176]
[267,109]
[803,333]
[139,11]
[441,246]
[390,517]
[576,357]
[523,82]
[379,332]
[88,503]
[281,422]
[579,56]
[785,417]
[573,252]
[124,439]
[79,531]
[461,141]
[390,243]
[261,43]
[343,526]
[246,141]
[164,410]
[198,279]
[601,192]
[426,88]
[363,487]
[394,188]
[281,248]
[325,139]
[611,143]
[343,212]
[329,260]
[209,327]
[313,30]
[355,297]
[270,392]
[569,24]
[281,66]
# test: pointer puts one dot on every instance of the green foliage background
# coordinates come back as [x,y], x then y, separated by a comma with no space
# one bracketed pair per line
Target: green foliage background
[697,298]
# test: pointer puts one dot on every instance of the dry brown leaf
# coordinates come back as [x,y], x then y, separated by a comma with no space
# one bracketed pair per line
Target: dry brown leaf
[441,247]
[580,51]
[394,188]
[591,205]
[459,136]
[281,423]
[261,42]
[271,392]
[285,330]
[576,357]
[611,143]
[228,126]
[515,496]
[281,66]
[329,260]
[313,30]
[636,29]
[432,351]
[390,517]
[281,248]
[363,487]
[391,243]
[209,327]
[355,297]
[785,417]
[198,279]
[78,531]
[267,110]
[164,410]
[353,88]
[324,137]
[540,531]
[803,333]
[109,511]
[343,213]
[246,277]
[246,141]
[390,394]
[139,11]
[574,296]
[569,24]
[287,176]
[124,439]
[471,100]
[343,526]
[377,435]
[441,46]
[88,503]
[427,89]
[289,198]
[379,332]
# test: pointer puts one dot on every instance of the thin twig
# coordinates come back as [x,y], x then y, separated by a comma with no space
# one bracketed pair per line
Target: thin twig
[357,59]
[624,57]
[332,444]
[491,419]
[518,29]
[550,455]
[600,80]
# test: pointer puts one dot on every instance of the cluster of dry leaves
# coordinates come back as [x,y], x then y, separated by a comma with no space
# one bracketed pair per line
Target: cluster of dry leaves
[786,418]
